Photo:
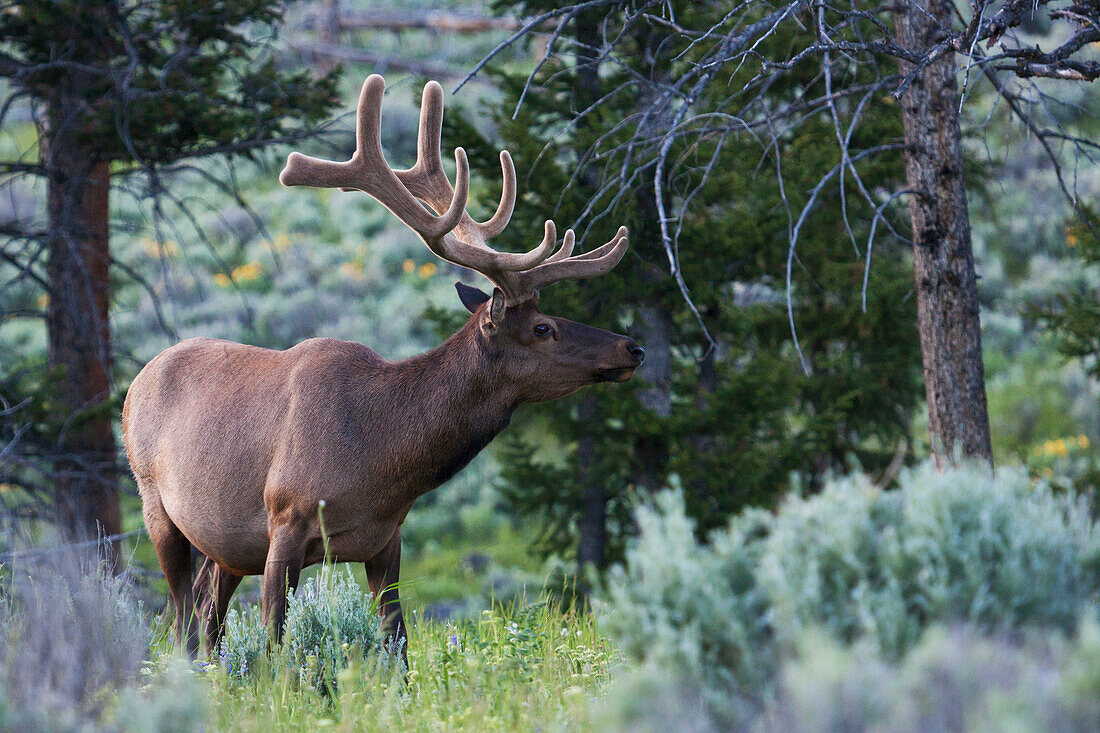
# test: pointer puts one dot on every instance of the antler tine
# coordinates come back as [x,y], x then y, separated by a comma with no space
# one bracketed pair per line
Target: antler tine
[427,181]
[566,248]
[503,214]
[368,171]
[590,264]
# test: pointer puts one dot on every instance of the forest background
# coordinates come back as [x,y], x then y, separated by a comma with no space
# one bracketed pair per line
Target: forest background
[224,251]
[731,416]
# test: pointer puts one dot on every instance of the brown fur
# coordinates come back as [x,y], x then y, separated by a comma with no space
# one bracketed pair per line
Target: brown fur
[235,447]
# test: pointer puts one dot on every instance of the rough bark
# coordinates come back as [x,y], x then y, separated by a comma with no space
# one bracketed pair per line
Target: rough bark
[78,187]
[946,284]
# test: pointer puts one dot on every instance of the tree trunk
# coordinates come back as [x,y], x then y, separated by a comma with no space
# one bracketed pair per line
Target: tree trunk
[78,328]
[593,523]
[593,526]
[946,285]
[653,330]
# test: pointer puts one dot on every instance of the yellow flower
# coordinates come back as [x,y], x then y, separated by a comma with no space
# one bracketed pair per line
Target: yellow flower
[246,273]
[1082,441]
[351,270]
[153,248]
[222,280]
[1060,448]
[408,266]
[427,270]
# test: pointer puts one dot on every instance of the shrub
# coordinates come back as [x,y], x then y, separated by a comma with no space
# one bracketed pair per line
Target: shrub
[174,701]
[244,642]
[954,679]
[70,633]
[329,621]
[859,563]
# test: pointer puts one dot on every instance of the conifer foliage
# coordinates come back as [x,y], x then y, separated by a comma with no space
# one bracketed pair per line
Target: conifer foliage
[118,86]
[733,421]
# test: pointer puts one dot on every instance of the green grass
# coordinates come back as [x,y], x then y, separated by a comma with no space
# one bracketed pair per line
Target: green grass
[512,668]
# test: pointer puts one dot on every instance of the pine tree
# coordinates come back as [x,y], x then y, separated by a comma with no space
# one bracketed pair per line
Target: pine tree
[740,418]
[120,85]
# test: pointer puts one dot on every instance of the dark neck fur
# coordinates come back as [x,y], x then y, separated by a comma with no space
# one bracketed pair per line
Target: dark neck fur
[464,402]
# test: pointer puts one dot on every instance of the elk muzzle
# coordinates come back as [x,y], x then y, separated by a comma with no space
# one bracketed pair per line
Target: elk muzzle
[628,357]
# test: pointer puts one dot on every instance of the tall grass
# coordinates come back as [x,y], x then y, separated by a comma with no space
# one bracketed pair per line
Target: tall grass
[512,668]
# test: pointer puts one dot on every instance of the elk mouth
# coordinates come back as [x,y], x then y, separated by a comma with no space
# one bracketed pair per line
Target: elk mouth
[616,374]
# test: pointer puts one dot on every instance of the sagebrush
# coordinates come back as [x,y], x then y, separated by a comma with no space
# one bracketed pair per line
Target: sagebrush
[966,545]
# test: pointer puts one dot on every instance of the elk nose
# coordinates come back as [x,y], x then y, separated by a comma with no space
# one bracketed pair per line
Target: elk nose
[637,352]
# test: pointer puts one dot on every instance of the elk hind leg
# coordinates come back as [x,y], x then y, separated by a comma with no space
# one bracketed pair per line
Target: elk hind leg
[174,553]
[213,589]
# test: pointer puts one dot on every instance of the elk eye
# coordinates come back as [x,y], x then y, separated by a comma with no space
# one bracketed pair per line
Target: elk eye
[542,329]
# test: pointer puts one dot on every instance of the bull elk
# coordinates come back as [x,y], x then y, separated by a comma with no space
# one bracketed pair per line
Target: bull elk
[234,448]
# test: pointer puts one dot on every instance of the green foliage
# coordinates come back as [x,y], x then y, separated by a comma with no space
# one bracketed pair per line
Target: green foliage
[966,545]
[1076,318]
[172,701]
[744,417]
[244,643]
[196,76]
[329,621]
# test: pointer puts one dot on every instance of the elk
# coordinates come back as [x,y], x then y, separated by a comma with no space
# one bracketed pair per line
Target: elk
[236,448]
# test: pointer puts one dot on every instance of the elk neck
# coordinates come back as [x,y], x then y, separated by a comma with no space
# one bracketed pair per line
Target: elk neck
[462,399]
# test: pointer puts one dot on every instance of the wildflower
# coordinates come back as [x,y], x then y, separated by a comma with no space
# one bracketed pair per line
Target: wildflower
[427,270]
[408,266]
[153,248]
[1082,441]
[247,273]
[351,270]
[453,639]
[222,280]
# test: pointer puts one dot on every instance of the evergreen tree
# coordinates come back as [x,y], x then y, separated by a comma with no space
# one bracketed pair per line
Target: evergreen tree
[733,423]
[1075,318]
[119,85]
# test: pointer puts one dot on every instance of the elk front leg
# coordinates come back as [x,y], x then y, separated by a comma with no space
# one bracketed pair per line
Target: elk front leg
[383,571]
[284,564]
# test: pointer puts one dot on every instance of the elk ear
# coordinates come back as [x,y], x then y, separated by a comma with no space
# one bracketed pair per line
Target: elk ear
[496,307]
[472,298]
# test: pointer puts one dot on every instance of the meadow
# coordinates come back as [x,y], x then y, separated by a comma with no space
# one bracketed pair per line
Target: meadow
[961,600]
